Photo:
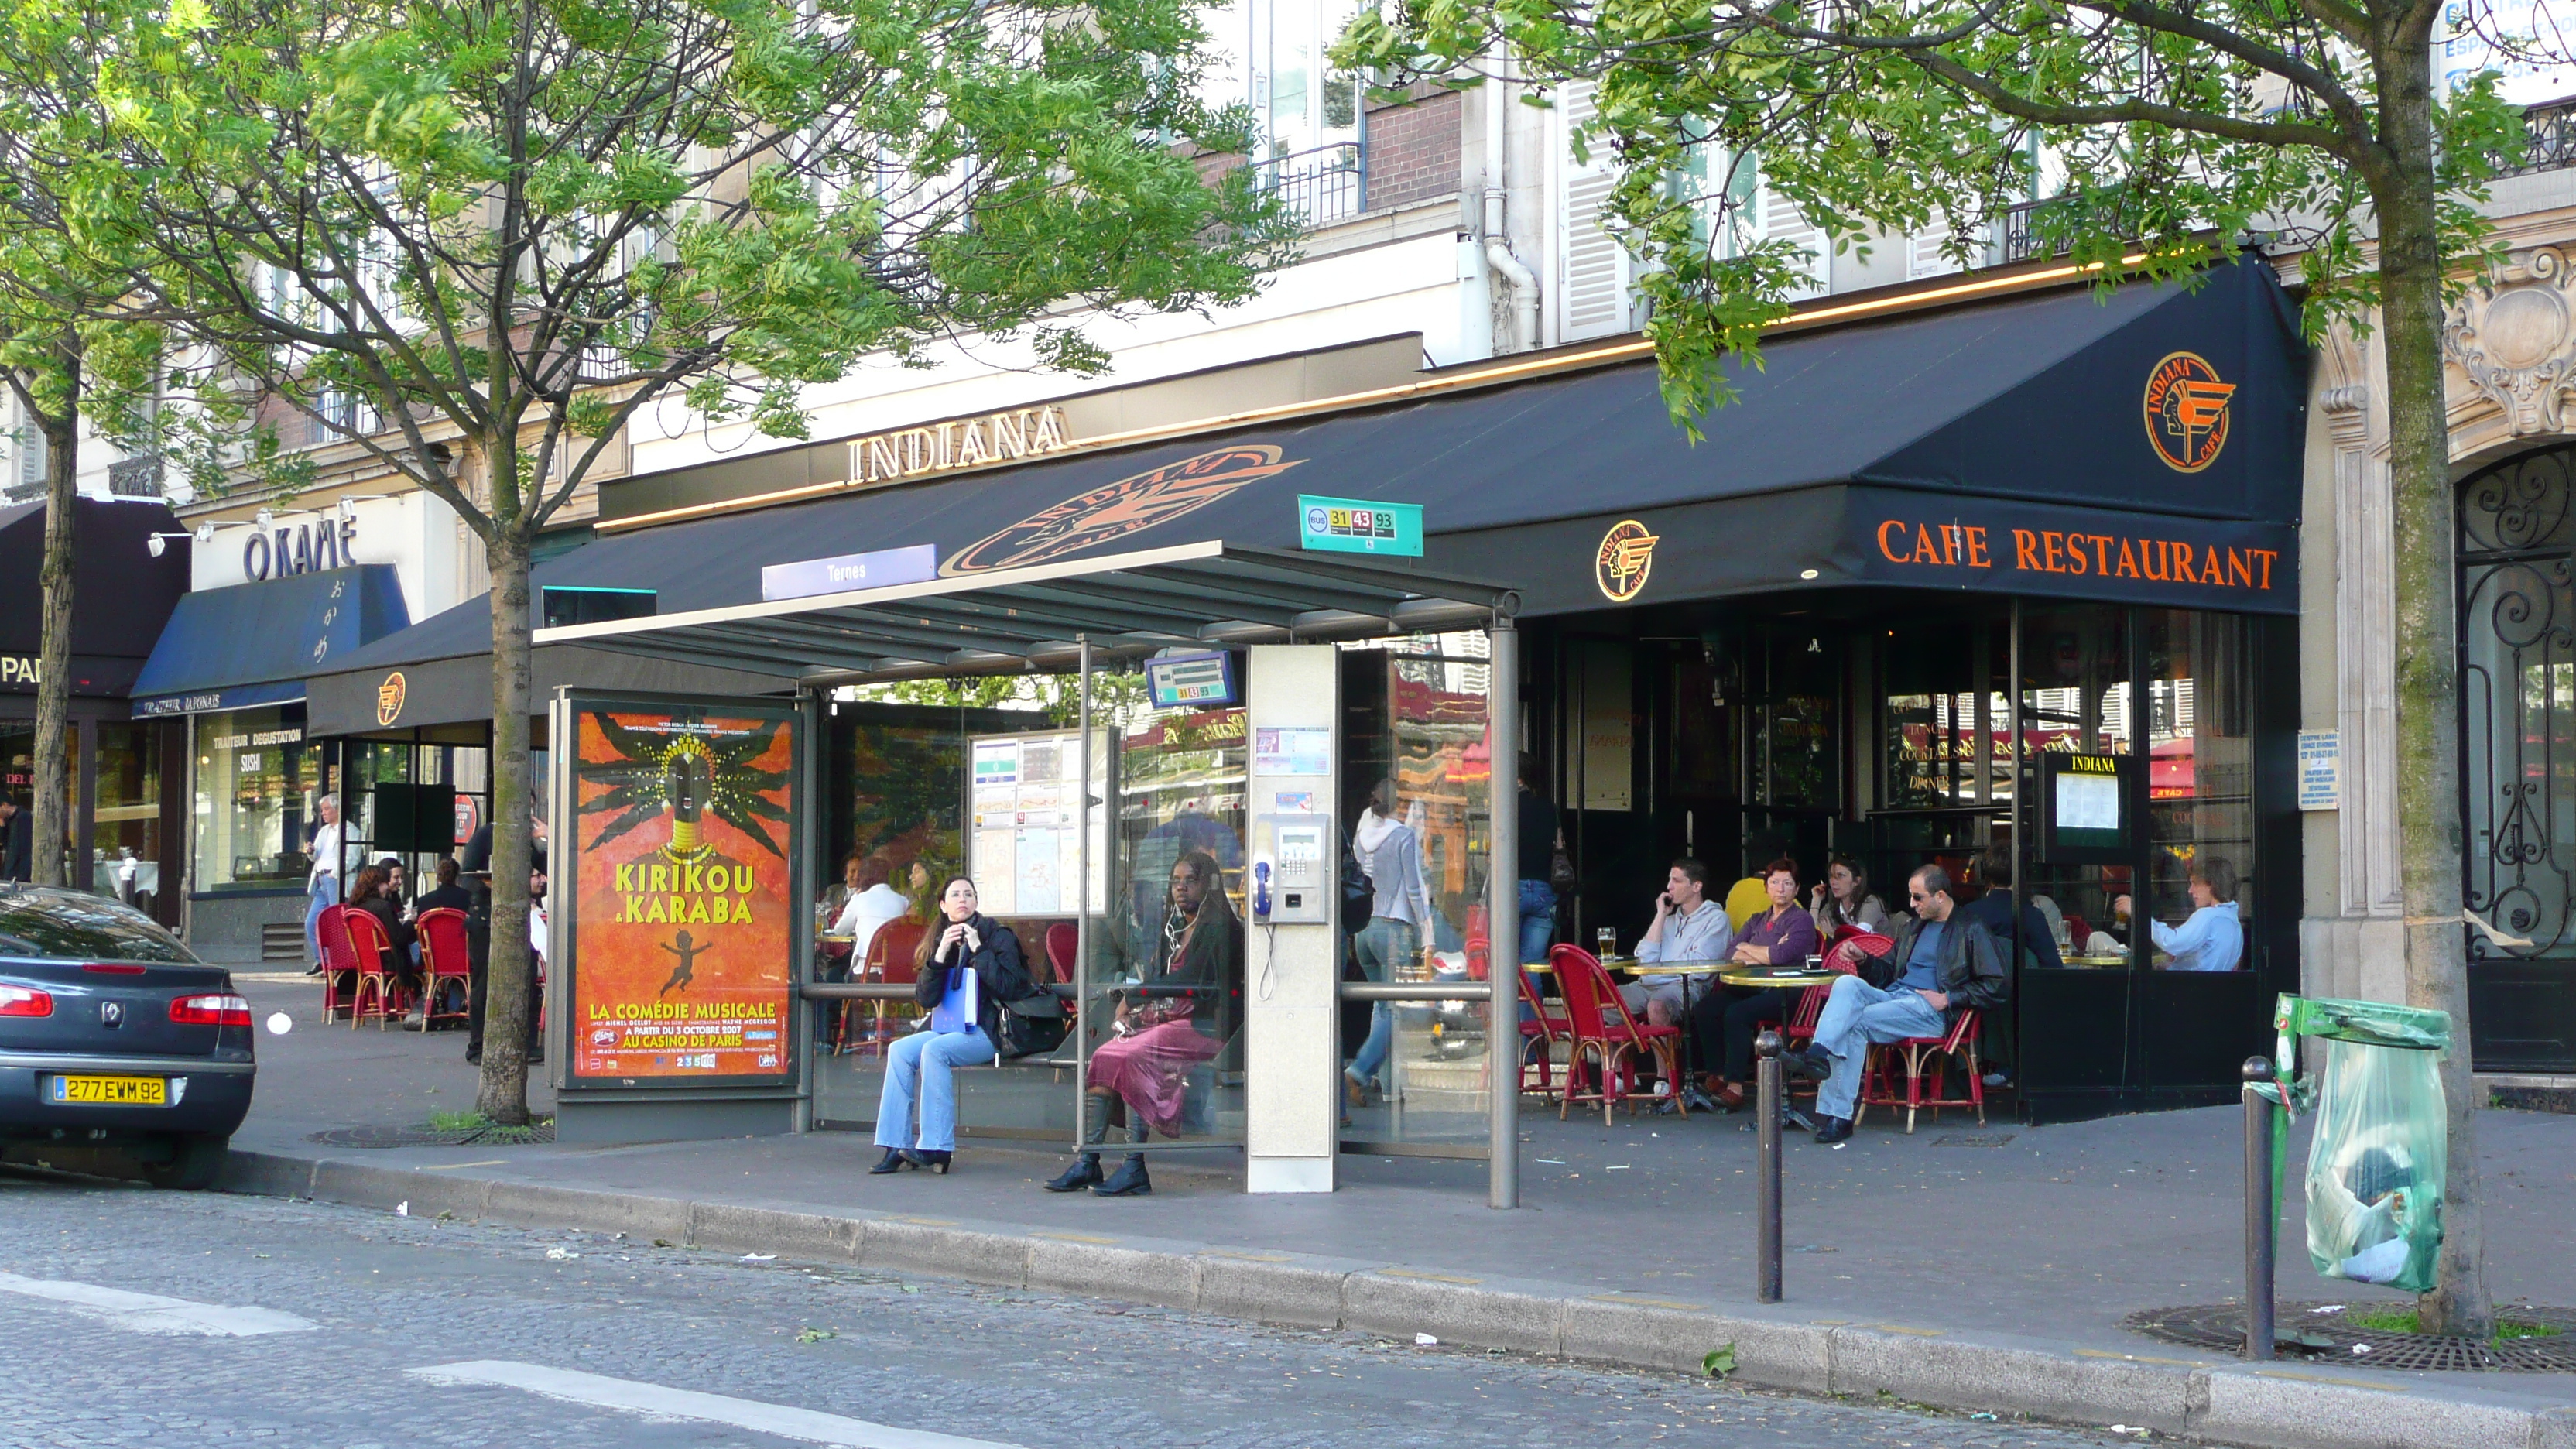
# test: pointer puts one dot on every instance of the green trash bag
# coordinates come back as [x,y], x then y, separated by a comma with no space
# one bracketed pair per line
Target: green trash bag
[2379,1158]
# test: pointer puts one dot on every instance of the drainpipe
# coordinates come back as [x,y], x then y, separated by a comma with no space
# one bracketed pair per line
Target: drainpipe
[1498,245]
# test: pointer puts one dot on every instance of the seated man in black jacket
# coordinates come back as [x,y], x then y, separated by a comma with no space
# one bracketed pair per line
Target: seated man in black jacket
[1941,964]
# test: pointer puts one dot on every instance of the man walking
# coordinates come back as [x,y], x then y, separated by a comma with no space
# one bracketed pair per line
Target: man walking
[322,887]
[1941,963]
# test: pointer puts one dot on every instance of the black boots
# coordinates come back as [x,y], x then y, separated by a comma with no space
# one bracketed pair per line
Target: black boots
[893,1161]
[1085,1172]
[1831,1130]
[1128,1181]
[927,1161]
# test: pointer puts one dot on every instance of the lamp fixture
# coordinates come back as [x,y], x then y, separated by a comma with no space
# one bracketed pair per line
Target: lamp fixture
[158,543]
[206,532]
[264,517]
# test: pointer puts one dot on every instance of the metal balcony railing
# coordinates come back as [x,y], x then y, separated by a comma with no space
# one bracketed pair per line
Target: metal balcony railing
[135,477]
[2552,147]
[1319,187]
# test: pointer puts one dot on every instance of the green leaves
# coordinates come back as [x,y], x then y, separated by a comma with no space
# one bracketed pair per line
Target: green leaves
[1720,1361]
[2172,136]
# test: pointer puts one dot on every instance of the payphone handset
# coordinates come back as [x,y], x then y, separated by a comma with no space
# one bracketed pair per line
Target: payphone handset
[1292,870]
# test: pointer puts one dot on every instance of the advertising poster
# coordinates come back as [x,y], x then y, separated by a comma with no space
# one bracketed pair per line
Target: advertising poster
[682,936]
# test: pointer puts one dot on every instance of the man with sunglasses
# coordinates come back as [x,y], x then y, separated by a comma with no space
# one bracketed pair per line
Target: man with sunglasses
[1940,963]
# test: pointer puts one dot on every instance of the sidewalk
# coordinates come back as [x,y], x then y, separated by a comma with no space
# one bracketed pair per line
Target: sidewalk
[1980,1270]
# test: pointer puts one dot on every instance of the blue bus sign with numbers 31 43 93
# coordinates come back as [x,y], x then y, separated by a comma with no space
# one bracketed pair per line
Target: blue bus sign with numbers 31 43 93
[1356,525]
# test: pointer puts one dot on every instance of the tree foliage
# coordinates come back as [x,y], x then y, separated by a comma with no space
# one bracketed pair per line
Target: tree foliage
[2153,136]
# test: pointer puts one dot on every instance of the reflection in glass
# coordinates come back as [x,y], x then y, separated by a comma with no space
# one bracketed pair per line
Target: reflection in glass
[255,785]
[2075,700]
[2200,816]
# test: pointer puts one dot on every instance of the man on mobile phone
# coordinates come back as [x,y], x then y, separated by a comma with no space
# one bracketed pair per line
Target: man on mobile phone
[1688,926]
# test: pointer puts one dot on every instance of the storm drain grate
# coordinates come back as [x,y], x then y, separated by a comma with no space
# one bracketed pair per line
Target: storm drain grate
[2321,1331]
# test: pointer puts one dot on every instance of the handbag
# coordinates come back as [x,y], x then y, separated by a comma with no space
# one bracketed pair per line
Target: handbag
[1560,868]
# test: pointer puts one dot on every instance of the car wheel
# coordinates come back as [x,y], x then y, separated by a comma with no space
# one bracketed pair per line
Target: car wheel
[193,1163]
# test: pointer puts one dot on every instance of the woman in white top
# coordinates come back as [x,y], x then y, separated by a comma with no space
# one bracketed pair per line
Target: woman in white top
[2211,938]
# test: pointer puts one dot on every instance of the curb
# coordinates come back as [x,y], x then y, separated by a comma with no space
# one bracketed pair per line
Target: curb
[2282,1407]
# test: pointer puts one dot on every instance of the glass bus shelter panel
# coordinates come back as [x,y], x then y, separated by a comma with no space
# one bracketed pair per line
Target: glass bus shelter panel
[1428,1090]
[1161,1031]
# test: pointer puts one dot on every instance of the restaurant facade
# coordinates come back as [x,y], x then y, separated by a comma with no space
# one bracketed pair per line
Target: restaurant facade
[126,820]
[1939,553]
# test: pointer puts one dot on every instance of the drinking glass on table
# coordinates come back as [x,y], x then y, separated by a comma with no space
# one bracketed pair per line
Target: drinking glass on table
[1605,942]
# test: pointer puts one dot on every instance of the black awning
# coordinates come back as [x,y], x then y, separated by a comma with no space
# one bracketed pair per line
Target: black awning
[456,689]
[121,594]
[255,643]
[2161,412]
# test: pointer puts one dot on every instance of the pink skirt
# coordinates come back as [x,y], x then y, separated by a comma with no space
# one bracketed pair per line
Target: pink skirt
[1151,1068]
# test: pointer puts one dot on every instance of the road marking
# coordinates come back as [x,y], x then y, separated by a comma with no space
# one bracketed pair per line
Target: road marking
[1074,1238]
[2138,1358]
[1642,1301]
[1428,1277]
[452,1166]
[655,1401]
[152,1313]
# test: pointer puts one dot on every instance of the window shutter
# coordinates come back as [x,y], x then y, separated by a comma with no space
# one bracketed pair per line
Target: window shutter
[1924,257]
[1782,220]
[1593,272]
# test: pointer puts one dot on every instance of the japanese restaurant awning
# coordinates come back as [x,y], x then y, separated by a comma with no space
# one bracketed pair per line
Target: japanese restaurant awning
[253,644]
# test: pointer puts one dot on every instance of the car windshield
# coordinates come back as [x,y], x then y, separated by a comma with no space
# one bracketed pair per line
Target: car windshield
[65,925]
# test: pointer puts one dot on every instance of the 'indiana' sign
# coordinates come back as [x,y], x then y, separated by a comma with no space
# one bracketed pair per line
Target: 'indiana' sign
[994,438]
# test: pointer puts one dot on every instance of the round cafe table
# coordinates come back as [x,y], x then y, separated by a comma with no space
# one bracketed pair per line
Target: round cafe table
[1775,978]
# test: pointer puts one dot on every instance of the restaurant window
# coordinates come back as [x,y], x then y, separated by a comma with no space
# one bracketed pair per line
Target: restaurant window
[1802,702]
[1935,718]
[2197,724]
[2075,701]
[125,841]
[256,781]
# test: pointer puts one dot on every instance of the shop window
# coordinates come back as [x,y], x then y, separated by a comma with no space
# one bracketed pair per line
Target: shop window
[256,782]
[2075,700]
[125,841]
[2196,712]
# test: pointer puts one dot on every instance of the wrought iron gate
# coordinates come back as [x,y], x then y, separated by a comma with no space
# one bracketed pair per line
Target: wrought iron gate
[2518,756]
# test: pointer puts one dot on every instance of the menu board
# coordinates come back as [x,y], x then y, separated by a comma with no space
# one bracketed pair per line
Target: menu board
[679,945]
[1023,842]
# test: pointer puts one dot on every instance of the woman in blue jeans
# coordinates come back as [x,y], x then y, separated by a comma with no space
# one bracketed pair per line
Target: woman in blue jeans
[1390,851]
[921,1068]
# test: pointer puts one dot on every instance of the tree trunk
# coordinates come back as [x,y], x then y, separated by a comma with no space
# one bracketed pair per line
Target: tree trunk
[504,1093]
[2428,759]
[52,827]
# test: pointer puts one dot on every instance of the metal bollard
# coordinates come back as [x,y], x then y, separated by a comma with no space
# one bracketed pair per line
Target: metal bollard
[1766,1171]
[2261,1214]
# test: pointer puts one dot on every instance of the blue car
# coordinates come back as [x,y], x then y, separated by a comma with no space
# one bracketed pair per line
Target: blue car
[114,1036]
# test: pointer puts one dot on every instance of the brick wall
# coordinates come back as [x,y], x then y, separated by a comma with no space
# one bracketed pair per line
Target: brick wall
[1413,150]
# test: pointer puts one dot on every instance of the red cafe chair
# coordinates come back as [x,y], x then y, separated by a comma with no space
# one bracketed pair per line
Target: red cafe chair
[1914,1073]
[444,962]
[1542,1030]
[1605,1034]
[339,963]
[380,992]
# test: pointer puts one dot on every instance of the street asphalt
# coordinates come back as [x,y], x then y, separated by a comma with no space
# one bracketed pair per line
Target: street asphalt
[302,1323]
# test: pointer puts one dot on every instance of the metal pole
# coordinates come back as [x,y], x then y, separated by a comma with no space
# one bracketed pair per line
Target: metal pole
[2260,1214]
[1503,912]
[1082,894]
[1766,1169]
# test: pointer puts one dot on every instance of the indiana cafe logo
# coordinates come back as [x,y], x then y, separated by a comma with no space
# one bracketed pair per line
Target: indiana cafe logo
[2187,411]
[1113,511]
[1625,558]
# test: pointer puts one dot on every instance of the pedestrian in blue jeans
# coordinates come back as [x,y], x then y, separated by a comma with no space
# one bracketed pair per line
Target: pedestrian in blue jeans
[322,888]
[921,1069]
[1390,851]
[1541,836]
[1939,964]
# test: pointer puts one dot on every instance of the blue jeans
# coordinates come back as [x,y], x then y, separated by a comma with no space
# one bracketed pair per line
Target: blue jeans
[1383,945]
[321,895]
[1856,1015]
[923,1066]
[1538,926]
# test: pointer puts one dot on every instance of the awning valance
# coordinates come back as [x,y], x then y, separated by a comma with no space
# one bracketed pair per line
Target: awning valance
[256,643]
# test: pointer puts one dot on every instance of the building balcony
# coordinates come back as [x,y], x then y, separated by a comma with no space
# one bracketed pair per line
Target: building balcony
[2552,137]
[1319,187]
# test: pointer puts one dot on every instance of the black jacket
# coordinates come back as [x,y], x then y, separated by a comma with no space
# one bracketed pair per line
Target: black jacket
[1001,971]
[1970,970]
[17,846]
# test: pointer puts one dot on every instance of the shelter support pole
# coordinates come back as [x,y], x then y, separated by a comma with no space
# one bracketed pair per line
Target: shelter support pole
[1503,913]
[1082,865]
